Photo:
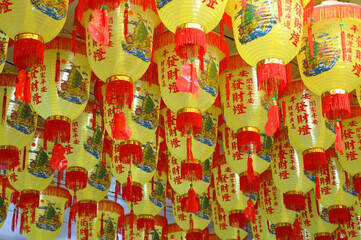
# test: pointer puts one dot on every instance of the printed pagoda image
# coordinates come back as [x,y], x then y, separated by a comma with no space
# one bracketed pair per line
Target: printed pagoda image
[75,88]
[50,220]
[94,144]
[209,78]
[23,119]
[57,9]
[40,166]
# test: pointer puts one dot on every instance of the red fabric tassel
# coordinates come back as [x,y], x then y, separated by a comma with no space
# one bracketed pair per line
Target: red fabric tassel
[126,20]
[145,224]
[273,116]
[131,153]
[9,158]
[284,109]
[336,106]
[57,67]
[192,203]
[120,130]
[249,211]
[297,229]
[76,180]
[57,131]
[357,184]
[280,12]
[338,141]
[318,192]
[314,161]
[3,190]
[237,220]
[28,53]
[102,225]
[295,202]
[80,10]
[190,158]
[94,121]
[249,187]
[190,170]
[250,171]
[73,42]
[4,106]
[22,91]
[24,158]
[129,185]
[339,215]
[271,76]
[347,180]
[117,191]
[132,193]
[228,88]
[13,220]
[284,232]
[187,82]
[343,42]
[244,4]
[310,38]
[189,121]
[99,27]
[69,222]
[87,210]
[98,91]
[131,218]
[191,225]
[119,93]
[60,178]
[146,235]
[342,235]
[58,160]
[238,231]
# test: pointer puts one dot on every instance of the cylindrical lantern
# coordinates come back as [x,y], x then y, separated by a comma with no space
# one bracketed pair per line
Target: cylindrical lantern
[261,227]
[271,202]
[18,122]
[190,20]
[308,131]
[105,225]
[334,184]
[49,215]
[288,174]
[85,147]
[271,46]
[333,58]
[229,195]
[244,107]
[6,194]
[350,230]
[242,163]
[60,87]
[181,92]
[128,53]
[4,41]
[313,222]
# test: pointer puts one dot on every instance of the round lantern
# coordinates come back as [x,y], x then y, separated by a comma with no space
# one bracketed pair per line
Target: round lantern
[18,122]
[31,24]
[6,194]
[288,173]
[192,149]
[105,225]
[85,147]
[261,227]
[335,191]
[313,222]
[221,224]
[4,41]
[60,87]
[175,232]
[268,36]
[127,54]
[181,92]
[271,202]
[236,160]
[193,223]
[229,195]
[333,57]
[49,215]
[307,129]
[34,173]
[190,20]
[133,175]
[244,107]
[350,230]
[352,147]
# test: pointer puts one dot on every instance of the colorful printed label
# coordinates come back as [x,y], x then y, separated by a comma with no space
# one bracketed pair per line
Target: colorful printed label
[93,145]
[100,178]
[209,77]
[150,158]
[147,112]
[51,220]
[23,119]
[40,166]
[56,9]
[205,211]
[208,135]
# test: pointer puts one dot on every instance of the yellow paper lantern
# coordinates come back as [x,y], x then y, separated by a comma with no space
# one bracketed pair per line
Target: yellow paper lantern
[308,131]
[271,202]
[129,52]
[333,57]
[268,36]
[30,24]
[5,198]
[190,20]
[109,214]
[237,160]
[288,174]
[351,229]
[261,228]
[229,195]
[18,122]
[4,41]
[49,215]
[312,220]
[60,87]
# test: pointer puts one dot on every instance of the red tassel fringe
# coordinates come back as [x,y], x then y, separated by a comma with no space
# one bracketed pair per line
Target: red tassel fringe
[336,106]
[284,232]
[131,153]
[271,77]
[317,190]
[57,131]
[339,216]
[194,236]
[323,238]
[136,193]
[3,114]
[339,137]
[28,53]
[76,180]
[189,121]
[343,42]
[295,202]
[126,20]
[191,171]
[102,225]
[57,67]
[87,209]
[249,141]
[357,185]
[119,93]
[73,39]
[314,161]
[237,220]
[310,39]
[279,7]
[9,158]
[249,187]
[145,224]
[22,90]
[250,171]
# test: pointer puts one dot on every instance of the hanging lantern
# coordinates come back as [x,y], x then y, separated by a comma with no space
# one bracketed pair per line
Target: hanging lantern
[288,174]
[32,175]
[352,147]
[18,122]
[271,202]
[312,221]
[61,87]
[4,42]
[193,223]
[335,191]
[350,230]
[269,47]
[85,147]
[6,195]
[239,207]
[133,175]
[332,58]
[181,92]
[175,232]
[244,107]
[153,200]
[236,160]
[141,119]
[307,129]
[119,44]
[261,227]
[109,215]
[49,214]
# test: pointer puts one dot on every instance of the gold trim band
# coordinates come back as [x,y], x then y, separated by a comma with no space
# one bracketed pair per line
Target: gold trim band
[186,195]
[130,142]
[357,175]
[283,225]
[196,161]
[333,91]
[242,174]
[147,216]
[191,25]
[313,150]
[119,78]
[322,234]
[77,169]
[248,129]
[197,230]
[270,60]
[29,191]
[29,36]
[294,192]
[235,211]
[337,206]
[88,201]
[58,117]
[134,184]
[189,109]
[8,147]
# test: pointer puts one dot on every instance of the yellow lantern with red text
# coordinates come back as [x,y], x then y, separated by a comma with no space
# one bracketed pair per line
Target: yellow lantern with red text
[333,58]
[268,36]
[288,174]
[271,202]
[308,131]
[18,122]
[49,215]
[6,195]
[60,87]
[350,230]
[261,227]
